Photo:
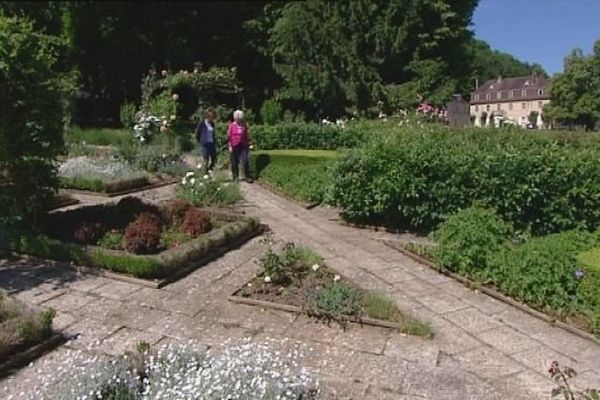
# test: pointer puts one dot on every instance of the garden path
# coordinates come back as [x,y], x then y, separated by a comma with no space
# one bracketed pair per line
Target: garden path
[483,349]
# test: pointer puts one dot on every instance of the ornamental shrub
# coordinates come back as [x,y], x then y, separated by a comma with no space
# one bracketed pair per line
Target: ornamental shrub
[142,236]
[196,222]
[467,240]
[271,112]
[34,93]
[543,272]
[589,272]
[176,209]
[88,232]
[419,176]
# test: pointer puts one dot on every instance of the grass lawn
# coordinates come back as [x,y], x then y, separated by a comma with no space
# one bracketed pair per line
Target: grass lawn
[301,174]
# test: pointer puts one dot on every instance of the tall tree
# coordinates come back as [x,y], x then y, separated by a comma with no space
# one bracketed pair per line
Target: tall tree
[336,56]
[575,93]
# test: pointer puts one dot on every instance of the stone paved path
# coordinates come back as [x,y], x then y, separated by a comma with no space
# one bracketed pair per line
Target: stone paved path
[483,349]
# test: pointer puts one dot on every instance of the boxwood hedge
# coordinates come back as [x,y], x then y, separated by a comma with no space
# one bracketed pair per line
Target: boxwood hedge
[417,177]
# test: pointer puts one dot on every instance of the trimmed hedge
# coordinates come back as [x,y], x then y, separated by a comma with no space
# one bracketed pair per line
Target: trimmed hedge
[301,174]
[97,185]
[418,177]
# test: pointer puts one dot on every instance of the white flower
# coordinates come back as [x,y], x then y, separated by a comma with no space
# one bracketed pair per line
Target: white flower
[189,174]
[193,181]
[173,118]
[315,267]
[175,97]
[199,166]
[267,279]
[164,72]
[336,278]
[183,181]
[206,176]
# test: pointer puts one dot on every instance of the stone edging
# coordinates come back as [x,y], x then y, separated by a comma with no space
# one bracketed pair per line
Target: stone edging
[297,310]
[279,192]
[158,283]
[496,295]
[31,353]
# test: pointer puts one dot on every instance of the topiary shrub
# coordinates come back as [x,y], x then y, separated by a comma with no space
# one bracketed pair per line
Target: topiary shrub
[88,232]
[142,236]
[468,239]
[196,222]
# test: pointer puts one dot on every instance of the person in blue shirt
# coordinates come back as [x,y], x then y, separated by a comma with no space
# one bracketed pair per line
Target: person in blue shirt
[206,135]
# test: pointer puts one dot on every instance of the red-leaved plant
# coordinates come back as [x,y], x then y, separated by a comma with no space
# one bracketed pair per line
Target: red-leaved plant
[196,222]
[142,236]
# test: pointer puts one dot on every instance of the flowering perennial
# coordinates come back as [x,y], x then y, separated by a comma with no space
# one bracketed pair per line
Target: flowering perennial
[179,372]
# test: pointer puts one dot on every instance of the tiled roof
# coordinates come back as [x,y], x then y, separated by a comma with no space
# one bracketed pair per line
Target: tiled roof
[511,89]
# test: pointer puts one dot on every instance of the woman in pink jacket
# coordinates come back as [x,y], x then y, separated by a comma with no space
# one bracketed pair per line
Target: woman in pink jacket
[239,145]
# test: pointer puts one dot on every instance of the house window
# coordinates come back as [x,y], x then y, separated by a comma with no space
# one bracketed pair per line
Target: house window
[523,93]
[476,108]
[498,107]
[524,105]
[487,107]
[499,95]
[488,96]
[510,106]
[540,92]
[476,97]
[511,93]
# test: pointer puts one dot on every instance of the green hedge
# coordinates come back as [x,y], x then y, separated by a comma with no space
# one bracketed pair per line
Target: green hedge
[97,185]
[301,174]
[417,177]
[544,272]
[590,283]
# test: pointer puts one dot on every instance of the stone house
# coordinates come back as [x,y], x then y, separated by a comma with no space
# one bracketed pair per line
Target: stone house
[511,100]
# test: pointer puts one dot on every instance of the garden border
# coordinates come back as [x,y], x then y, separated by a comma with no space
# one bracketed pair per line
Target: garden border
[122,192]
[31,353]
[234,298]
[71,202]
[493,293]
[159,283]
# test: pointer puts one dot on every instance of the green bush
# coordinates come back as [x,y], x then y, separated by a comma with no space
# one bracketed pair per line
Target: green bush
[335,300]
[100,136]
[34,96]
[468,239]
[271,112]
[590,283]
[417,177]
[301,174]
[127,114]
[43,247]
[542,272]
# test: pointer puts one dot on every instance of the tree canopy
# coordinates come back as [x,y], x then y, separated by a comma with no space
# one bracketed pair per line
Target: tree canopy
[575,93]
[319,57]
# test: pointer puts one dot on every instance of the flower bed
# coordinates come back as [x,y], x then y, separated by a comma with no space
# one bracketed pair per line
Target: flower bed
[555,274]
[160,243]
[174,372]
[106,175]
[296,279]
[209,190]
[21,330]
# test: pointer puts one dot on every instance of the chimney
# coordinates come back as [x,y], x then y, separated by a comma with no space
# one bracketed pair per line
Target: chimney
[476,83]
[499,79]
